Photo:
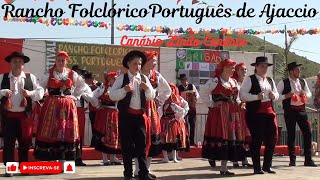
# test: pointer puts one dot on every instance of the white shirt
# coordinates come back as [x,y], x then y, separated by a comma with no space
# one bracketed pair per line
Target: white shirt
[79,86]
[163,89]
[266,88]
[117,93]
[88,96]
[180,112]
[296,88]
[194,89]
[16,86]
[211,84]
[99,92]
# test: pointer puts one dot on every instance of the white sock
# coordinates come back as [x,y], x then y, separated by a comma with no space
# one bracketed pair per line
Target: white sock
[224,167]
[104,158]
[165,156]
[136,163]
[149,159]
[174,156]
[245,161]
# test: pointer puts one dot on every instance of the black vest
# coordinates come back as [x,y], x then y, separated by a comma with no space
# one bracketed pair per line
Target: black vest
[253,106]
[27,85]
[124,104]
[287,88]
[181,88]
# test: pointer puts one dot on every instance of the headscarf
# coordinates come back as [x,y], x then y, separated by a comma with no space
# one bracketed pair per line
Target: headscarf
[62,54]
[174,98]
[238,66]
[222,65]
[151,55]
[109,76]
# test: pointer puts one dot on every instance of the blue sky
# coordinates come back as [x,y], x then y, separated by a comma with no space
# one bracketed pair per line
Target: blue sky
[307,45]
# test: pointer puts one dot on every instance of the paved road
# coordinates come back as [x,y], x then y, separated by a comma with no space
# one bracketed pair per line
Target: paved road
[187,169]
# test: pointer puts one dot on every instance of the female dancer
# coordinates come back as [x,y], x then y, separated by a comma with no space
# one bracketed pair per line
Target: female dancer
[106,123]
[174,129]
[222,140]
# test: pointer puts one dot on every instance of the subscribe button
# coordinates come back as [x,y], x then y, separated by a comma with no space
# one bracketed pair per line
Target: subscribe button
[40,167]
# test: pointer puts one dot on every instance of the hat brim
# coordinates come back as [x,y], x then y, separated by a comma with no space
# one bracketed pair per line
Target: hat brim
[254,64]
[131,54]
[185,78]
[26,59]
[298,65]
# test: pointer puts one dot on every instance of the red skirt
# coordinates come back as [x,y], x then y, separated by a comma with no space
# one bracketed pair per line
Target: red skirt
[35,117]
[223,137]
[224,122]
[59,122]
[106,125]
[170,130]
[82,122]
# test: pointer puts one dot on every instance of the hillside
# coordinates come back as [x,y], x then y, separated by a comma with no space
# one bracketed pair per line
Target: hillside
[256,44]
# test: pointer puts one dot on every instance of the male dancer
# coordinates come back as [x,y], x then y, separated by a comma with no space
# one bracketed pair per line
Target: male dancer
[294,94]
[259,91]
[18,90]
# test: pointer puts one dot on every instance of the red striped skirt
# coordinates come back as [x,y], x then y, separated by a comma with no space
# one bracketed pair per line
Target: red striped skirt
[59,121]
[106,124]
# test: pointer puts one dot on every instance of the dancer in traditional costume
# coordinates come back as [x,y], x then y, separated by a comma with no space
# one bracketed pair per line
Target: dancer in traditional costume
[86,98]
[174,132]
[190,93]
[58,130]
[163,92]
[132,90]
[93,84]
[259,91]
[222,140]
[18,90]
[294,95]
[239,74]
[107,124]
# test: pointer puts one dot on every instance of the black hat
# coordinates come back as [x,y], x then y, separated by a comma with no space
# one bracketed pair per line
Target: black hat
[88,75]
[17,54]
[182,77]
[75,67]
[292,65]
[261,60]
[131,54]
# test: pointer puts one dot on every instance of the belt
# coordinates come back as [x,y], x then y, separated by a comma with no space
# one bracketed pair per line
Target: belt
[135,111]
[298,108]
[10,114]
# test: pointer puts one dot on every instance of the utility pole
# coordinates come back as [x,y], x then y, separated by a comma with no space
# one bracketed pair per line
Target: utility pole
[221,36]
[112,24]
[286,44]
[264,49]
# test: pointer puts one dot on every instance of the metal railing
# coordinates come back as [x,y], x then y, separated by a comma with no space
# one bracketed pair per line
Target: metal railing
[313,117]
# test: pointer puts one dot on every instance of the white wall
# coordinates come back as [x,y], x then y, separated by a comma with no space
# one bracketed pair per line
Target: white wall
[36,50]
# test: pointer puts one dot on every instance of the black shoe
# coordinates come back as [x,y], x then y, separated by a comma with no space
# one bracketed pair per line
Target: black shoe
[258,172]
[153,176]
[212,163]
[8,175]
[80,163]
[236,164]
[227,173]
[115,163]
[146,177]
[292,163]
[247,165]
[129,178]
[269,170]
[310,163]
[107,163]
